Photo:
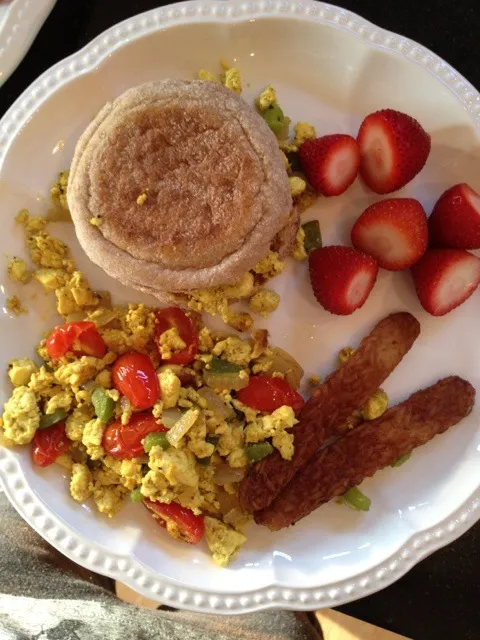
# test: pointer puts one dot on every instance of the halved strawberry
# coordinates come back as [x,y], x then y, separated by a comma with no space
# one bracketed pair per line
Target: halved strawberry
[393,149]
[393,231]
[330,163]
[342,278]
[445,278]
[455,220]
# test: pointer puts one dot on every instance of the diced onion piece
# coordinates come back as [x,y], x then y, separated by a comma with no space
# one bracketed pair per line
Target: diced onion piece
[181,427]
[170,417]
[76,316]
[215,403]
[109,315]
[284,363]
[224,474]
[227,501]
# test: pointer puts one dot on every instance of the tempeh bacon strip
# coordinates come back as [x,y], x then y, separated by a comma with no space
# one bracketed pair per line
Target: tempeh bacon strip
[368,448]
[331,405]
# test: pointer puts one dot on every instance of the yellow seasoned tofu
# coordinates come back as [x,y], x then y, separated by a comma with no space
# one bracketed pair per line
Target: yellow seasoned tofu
[297,186]
[42,382]
[92,439]
[303,131]
[223,541]
[50,279]
[205,342]
[17,270]
[197,440]
[232,80]
[20,371]
[116,340]
[130,472]
[266,98]
[270,266]
[299,252]
[169,388]
[109,500]
[104,379]
[234,350]
[76,421]
[274,426]
[178,466]
[231,445]
[264,302]
[80,290]
[21,416]
[58,193]
[46,251]
[81,482]
[375,406]
[170,342]
[61,400]
[80,371]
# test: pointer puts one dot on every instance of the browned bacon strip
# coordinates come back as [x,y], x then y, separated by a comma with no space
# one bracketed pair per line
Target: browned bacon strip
[330,406]
[368,448]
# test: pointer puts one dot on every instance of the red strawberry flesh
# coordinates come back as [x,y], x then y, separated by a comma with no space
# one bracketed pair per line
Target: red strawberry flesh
[342,278]
[455,220]
[393,231]
[330,163]
[445,278]
[393,149]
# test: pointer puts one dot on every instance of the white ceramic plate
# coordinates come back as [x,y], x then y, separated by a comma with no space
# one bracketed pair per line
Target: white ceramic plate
[330,68]
[20,21]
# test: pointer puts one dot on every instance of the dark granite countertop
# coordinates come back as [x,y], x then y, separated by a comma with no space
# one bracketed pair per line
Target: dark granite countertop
[440,598]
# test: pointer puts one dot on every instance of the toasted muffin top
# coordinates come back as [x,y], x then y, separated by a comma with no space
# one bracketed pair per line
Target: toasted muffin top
[186,182]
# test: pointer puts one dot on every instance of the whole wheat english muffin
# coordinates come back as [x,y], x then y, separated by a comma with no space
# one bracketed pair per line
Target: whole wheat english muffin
[178,185]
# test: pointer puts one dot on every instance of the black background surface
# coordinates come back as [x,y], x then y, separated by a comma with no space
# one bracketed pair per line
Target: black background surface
[440,598]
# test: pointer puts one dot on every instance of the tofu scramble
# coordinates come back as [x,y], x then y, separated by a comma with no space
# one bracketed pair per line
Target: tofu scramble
[181,442]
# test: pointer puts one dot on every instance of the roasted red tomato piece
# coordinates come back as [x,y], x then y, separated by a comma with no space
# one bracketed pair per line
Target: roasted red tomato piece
[82,338]
[267,394]
[49,443]
[125,440]
[190,527]
[134,376]
[173,317]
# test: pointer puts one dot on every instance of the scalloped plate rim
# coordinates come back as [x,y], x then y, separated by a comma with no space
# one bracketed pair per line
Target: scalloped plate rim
[417,546]
[17,48]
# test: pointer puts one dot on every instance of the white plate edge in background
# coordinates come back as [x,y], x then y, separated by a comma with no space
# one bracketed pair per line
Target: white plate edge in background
[23,20]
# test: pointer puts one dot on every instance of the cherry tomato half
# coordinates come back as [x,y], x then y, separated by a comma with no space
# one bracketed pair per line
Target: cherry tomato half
[49,443]
[267,394]
[134,376]
[191,527]
[80,337]
[173,317]
[125,440]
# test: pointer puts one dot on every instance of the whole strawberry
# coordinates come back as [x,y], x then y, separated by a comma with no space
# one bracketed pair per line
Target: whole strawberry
[394,147]
[330,163]
[455,220]
[341,277]
[393,231]
[445,278]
